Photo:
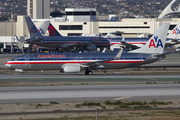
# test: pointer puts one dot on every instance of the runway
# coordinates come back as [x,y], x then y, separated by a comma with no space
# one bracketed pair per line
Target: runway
[59,77]
[89,93]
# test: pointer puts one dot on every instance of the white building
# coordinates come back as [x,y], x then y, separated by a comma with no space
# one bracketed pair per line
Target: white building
[130,27]
[38,9]
[79,15]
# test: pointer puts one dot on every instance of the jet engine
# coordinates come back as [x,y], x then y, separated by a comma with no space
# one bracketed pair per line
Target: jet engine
[90,47]
[70,68]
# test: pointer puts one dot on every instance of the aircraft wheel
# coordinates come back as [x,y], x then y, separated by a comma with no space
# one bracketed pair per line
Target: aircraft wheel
[90,72]
[104,71]
[87,72]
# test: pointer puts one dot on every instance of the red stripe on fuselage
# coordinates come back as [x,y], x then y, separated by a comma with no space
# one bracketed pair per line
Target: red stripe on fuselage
[70,62]
[132,42]
[124,62]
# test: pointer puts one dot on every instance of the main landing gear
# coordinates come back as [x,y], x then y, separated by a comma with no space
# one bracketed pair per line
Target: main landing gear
[88,72]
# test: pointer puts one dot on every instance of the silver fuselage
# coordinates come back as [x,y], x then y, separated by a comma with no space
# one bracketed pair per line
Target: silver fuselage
[55,61]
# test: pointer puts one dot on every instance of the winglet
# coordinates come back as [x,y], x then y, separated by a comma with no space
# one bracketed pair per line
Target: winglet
[175,33]
[17,38]
[119,54]
[122,42]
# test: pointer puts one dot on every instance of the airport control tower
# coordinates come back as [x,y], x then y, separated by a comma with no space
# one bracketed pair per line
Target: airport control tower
[38,9]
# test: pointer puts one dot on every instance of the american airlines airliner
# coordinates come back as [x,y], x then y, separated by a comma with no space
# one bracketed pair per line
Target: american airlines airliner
[76,62]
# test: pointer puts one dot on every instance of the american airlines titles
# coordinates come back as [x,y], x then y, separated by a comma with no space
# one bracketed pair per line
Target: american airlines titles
[51,56]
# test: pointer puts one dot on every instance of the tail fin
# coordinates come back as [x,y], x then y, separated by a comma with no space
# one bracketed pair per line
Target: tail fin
[107,36]
[43,28]
[33,31]
[53,31]
[157,42]
[175,33]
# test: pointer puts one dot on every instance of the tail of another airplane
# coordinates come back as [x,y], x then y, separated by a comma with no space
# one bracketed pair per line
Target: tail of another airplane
[156,43]
[33,31]
[53,31]
[175,33]
[43,28]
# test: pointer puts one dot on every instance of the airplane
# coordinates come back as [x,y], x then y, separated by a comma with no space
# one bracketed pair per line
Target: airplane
[43,27]
[42,30]
[152,51]
[64,42]
[52,31]
[134,43]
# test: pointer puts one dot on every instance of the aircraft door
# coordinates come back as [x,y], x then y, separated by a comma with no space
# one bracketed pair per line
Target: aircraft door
[27,59]
[140,57]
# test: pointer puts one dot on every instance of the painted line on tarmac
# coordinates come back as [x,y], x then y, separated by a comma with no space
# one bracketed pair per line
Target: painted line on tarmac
[122,98]
[151,79]
[35,79]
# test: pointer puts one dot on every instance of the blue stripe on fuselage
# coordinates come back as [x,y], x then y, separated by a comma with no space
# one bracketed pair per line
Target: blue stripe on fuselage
[80,56]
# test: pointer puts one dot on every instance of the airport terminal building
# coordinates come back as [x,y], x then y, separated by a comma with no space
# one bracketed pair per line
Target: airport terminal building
[130,27]
[82,21]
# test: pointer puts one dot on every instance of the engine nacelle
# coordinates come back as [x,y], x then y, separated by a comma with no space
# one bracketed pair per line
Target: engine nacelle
[90,47]
[70,68]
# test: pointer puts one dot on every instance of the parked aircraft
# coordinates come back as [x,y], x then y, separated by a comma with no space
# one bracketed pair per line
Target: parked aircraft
[42,30]
[132,43]
[64,42]
[53,31]
[135,43]
[76,62]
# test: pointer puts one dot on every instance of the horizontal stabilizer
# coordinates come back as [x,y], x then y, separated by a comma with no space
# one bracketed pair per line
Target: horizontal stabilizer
[119,54]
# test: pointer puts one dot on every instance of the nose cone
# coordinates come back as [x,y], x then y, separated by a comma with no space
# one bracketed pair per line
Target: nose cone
[8,65]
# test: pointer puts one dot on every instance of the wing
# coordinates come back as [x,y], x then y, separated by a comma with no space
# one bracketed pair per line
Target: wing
[101,62]
[67,45]
[32,40]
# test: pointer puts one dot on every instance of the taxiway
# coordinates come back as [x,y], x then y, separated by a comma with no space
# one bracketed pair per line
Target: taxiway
[89,93]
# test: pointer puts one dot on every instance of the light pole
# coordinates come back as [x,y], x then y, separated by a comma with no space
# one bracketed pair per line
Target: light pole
[12,17]
[154,5]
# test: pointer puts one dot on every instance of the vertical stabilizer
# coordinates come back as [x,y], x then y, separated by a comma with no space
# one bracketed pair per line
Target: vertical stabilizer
[156,43]
[53,31]
[175,33]
[33,31]
[43,28]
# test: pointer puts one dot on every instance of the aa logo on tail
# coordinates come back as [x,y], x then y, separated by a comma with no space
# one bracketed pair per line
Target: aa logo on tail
[33,30]
[176,31]
[154,41]
[41,31]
